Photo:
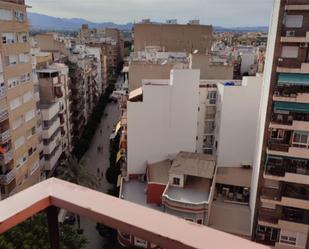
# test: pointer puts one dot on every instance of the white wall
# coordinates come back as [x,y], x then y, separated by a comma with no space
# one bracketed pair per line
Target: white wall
[263,106]
[247,59]
[165,122]
[238,110]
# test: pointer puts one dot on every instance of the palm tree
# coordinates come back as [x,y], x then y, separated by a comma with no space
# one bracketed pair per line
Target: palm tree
[76,172]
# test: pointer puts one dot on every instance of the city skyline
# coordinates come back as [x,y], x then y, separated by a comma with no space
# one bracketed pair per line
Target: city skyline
[241,13]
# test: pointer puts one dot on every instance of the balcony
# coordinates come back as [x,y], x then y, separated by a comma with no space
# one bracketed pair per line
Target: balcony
[297,5]
[292,94]
[4,115]
[296,66]
[6,157]
[270,193]
[271,216]
[294,35]
[278,145]
[49,131]
[127,217]
[5,136]
[53,159]
[288,170]
[7,177]
[291,121]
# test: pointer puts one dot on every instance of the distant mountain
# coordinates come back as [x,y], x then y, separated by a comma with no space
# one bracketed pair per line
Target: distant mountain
[44,22]
[242,29]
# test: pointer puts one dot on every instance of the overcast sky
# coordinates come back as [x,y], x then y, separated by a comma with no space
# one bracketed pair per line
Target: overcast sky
[228,13]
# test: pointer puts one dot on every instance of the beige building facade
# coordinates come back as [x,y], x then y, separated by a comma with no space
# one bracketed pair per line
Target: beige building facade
[173,37]
[19,157]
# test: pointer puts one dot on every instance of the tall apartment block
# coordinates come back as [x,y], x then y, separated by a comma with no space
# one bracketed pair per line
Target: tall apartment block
[282,210]
[19,157]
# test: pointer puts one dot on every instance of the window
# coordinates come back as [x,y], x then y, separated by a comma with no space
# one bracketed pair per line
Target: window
[11,60]
[17,123]
[294,21]
[22,160]
[24,58]
[13,82]
[212,96]
[6,15]
[301,140]
[20,16]
[8,38]
[15,103]
[290,52]
[278,134]
[28,96]
[176,181]
[29,115]
[22,37]
[19,142]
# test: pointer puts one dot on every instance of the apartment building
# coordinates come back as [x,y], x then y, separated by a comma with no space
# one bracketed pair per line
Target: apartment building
[282,205]
[155,63]
[202,127]
[173,37]
[111,43]
[87,87]
[56,115]
[19,157]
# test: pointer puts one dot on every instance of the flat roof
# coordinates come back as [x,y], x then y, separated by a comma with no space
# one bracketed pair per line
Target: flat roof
[135,191]
[159,172]
[234,176]
[196,191]
[194,164]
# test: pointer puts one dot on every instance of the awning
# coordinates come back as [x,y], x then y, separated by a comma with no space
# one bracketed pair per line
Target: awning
[234,176]
[118,126]
[119,181]
[119,155]
[291,106]
[293,79]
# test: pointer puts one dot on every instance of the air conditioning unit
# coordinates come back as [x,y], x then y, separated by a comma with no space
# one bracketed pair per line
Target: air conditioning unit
[280,59]
[290,33]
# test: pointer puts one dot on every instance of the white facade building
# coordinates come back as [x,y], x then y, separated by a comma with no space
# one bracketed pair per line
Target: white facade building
[236,122]
[165,121]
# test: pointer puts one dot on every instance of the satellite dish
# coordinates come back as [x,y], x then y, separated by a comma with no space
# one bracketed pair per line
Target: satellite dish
[164,62]
[195,51]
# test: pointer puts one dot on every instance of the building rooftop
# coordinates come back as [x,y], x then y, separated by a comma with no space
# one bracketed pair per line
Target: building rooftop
[196,191]
[135,191]
[159,172]
[193,164]
[234,176]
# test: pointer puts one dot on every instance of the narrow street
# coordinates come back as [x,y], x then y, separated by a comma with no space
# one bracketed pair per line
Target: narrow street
[100,160]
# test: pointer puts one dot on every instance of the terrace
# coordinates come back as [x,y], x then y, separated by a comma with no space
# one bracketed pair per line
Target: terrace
[166,231]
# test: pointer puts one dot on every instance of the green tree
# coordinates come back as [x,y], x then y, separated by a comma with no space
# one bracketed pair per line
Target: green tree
[33,234]
[76,171]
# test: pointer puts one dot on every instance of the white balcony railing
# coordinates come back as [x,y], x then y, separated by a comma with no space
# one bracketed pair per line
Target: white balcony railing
[5,136]
[6,179]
